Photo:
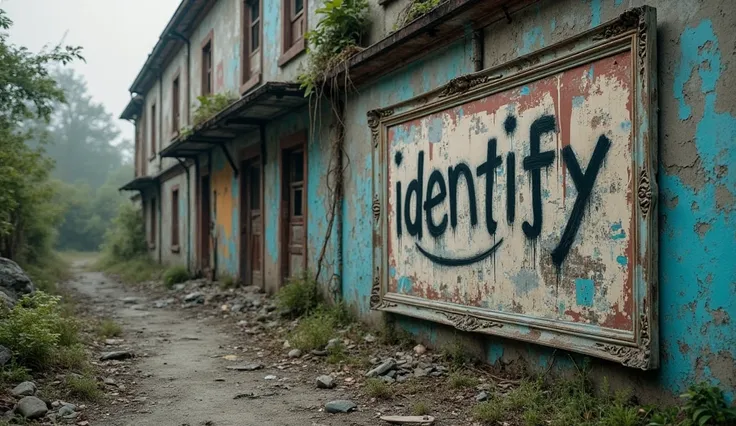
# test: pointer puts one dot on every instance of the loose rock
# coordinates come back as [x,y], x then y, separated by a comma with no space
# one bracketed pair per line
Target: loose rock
[325,382]
[295,353]
[369,338]
[14,282]
[31,407]
[116,355]
[270,377]
[195,297]
[340,406]
[419,349]
[66,410]
[5,355]
[382,369]
[247,367]
[483,396]
[24,389]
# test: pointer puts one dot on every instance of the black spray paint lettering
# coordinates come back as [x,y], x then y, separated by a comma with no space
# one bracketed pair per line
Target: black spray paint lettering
[419,207]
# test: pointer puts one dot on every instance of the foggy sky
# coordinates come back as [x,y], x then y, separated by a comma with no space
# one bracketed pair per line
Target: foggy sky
[116,37]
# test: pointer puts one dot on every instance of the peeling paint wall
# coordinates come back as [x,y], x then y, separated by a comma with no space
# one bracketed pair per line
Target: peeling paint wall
[697,127]
[168,255]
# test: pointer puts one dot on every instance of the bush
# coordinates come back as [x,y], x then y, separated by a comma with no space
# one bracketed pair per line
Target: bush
[30,329]
[126,239]
[210,105]
[109,328]
[175,275]
[314,331]
[83,387]
[70,358]
[300,296]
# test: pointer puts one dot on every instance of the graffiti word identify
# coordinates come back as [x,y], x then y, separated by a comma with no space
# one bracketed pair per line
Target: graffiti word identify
[422,204]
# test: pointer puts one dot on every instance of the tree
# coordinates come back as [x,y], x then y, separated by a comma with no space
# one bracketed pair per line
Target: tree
[27,92]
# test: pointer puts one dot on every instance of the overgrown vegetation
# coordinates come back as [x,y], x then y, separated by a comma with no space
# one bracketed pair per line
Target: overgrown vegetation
[421,408]
[299,296]
[125,250]
[415,9]
[336,37]
[175,275]
[377,388]
[457,355]
[209,105]
[84,387]
[108,328]
[460,380]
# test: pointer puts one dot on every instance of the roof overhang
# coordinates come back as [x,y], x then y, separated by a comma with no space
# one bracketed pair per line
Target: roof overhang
[444,25]
[134,108]
[175,34]
[139,184]
[247,114]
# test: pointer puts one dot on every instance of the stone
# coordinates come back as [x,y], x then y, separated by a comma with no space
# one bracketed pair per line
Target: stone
[295,353]
[66,410]
[270,377]
[116,355]
[483,396]
[163,303]
[287,345]
[195,297]
[130,300]
[382,369]
[14,283]
[5,355]
[109,381]
[316,352]
[325,382]
[340,406]
[402,378]
[388,379]
[179,287]
[391,374]
[420,372]
[420,349]
[369,338]
[31,407]
[333,343]
[24,389]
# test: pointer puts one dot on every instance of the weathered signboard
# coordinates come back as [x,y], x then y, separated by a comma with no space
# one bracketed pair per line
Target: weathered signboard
[518,201]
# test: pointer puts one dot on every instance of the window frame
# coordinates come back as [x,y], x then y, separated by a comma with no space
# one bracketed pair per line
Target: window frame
[291,48]
[248,78]
[175,216]
[208,44]
[175,104]
[152,127]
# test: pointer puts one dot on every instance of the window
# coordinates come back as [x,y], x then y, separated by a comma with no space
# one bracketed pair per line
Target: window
[207,66]
[175,219]
[251,45]
[294,20]
[153,131]
[152,228]
[175,92]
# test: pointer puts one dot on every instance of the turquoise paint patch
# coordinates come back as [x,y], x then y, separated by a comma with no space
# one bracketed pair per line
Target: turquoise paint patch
[494,352]
[435,130]
[618,2]
[622,260]
[591,72]
[699,49]
[404,285]
[584,292]
[553,24]
[626,125]
[392,272]
[595,13]
[578,101]
[618,232]
[525,91]
[533,39]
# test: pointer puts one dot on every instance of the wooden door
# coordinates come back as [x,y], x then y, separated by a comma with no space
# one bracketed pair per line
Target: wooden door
[295,206]
[251,224]
[204,223]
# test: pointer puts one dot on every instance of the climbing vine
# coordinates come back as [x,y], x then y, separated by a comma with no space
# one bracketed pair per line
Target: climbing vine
[337,37]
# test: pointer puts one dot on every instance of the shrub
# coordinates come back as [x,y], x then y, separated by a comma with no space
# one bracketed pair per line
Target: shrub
[68,330]
[70,358]
[13,374]
[30,329]
[109,328]
[175,275]
[313,332]
[420,408]
[299,296]
[377,388]
[126,238]
[210,105]
[83,387]
[706,405]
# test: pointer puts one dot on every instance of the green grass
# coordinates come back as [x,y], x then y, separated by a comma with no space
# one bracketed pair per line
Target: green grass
[420,408]
[300,296]
[83,387]
[132,271]
[377,388]
[227,282]
[108,328]
[47,273]
[489,412]
[457,355]
[461,381]
[71,358]
[175,275]
[313,331]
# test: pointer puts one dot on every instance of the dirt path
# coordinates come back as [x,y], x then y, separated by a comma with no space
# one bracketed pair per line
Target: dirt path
[180,377]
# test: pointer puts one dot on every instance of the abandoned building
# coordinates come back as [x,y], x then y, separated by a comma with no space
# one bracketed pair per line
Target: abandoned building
[539,177]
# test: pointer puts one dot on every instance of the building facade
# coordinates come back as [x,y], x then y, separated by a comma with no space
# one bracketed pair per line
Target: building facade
[613,250]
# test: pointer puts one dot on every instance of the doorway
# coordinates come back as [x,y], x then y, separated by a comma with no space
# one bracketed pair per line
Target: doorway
[204,224]
[294,207]
[251,222]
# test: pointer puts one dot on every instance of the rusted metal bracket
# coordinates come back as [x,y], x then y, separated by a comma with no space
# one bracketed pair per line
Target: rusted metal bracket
[229,159]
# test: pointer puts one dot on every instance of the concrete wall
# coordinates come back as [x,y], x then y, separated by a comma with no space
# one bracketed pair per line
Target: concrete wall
[697,225]
[169,255]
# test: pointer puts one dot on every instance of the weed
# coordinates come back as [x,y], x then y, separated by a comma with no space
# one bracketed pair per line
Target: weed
[457,355]
[313,331]
[393,334]
[175,275]
[133,271]
[620,415]
[70,357]
[13,373]
[68,330]
[528,395]
[300,295]
[29,330]
[83,387]
[489,412]
[415,9]
[377,388]
[211,105]
[420,408]
[460,381]
[228,282]
[336,354]
[413,388]
[109,328]
[706,405]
